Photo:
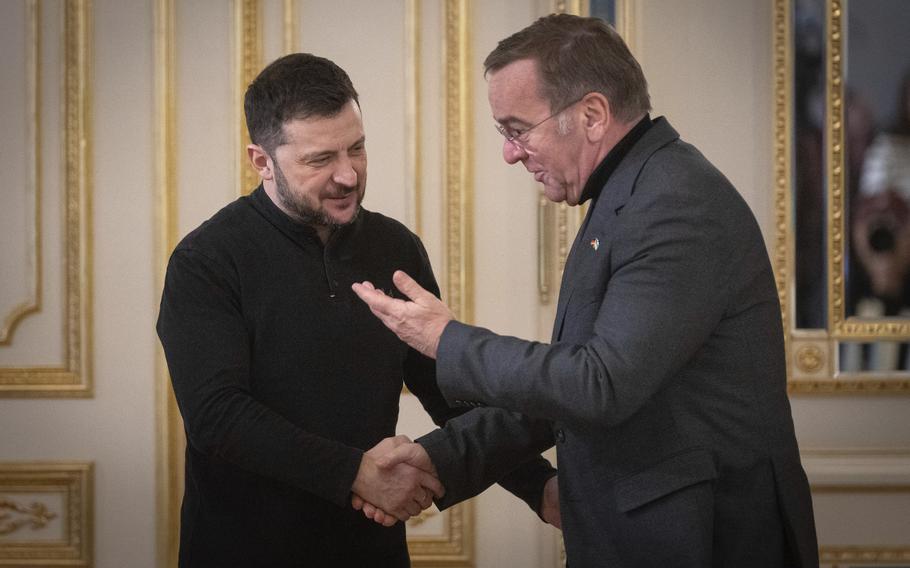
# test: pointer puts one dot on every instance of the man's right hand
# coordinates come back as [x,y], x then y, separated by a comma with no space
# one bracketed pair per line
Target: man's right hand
[390,488]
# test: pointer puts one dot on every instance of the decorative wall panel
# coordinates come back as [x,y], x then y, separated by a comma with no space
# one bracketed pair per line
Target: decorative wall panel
[862,505]
[45,340]
[46,514]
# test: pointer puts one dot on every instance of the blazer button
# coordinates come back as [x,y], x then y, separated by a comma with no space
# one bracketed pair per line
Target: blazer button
[560,436]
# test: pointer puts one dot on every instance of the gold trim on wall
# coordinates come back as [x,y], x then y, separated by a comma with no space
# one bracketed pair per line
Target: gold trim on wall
[289,29]
[169,433]
[413,124]
[453,548]
[862,555]
[74,377]
[247,64]
[852,554]
[459,174]
[72,480]
[783,251]
[32,304]
[855,471]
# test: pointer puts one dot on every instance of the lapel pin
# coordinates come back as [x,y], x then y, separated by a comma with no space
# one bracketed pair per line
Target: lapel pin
[595,243]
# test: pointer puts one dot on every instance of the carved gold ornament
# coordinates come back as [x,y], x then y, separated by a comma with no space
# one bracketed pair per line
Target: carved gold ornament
[14,516]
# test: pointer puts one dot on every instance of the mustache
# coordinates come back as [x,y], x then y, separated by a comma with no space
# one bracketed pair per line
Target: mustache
[343,190]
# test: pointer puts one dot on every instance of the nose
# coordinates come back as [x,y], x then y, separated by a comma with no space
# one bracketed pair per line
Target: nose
[345,175]
[512,152]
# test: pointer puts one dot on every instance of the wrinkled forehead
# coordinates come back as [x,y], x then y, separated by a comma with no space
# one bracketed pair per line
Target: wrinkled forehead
[514,91]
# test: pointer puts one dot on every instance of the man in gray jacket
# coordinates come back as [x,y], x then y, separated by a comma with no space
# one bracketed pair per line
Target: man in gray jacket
[665,382]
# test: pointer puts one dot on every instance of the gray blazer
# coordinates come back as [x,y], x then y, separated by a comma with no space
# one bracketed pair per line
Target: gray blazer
[664,387]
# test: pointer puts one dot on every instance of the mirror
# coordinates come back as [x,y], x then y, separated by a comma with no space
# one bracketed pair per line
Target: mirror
[842,159]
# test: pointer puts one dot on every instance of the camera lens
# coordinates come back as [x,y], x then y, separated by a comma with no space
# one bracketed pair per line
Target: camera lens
[881,239]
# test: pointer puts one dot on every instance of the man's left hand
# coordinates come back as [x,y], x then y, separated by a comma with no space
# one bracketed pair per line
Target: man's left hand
[419,323]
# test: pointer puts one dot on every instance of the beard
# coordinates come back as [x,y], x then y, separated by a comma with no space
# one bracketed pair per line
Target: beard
[301,209]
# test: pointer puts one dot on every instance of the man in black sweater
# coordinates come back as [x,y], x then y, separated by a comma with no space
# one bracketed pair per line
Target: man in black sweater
[284,379]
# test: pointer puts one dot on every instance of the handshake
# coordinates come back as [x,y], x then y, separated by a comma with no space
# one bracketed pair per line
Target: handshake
[396,481]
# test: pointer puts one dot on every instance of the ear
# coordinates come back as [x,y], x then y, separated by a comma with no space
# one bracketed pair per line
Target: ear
[597,116]
[261,161]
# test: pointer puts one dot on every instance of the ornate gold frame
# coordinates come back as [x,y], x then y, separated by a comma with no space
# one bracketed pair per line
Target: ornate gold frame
[32,304]
[811,353]
[72,479]
[74,377]
[459,162]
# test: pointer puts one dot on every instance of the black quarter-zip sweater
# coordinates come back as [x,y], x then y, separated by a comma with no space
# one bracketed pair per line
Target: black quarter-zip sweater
[284,378]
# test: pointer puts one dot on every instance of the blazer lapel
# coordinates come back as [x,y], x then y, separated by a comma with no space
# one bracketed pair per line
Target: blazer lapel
[568,279]
[603,209]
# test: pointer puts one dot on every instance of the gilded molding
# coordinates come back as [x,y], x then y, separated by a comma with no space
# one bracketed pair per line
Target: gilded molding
[862,555]
[169,431]
[74,377]
[73,483]
[289,28]
[247,64]
[836,175]
[544,250]
[783,250]
[459,175]
[810,359]
[32,304]
[834,137]
[626,17]
[453,548]
[14,516]
[413,123]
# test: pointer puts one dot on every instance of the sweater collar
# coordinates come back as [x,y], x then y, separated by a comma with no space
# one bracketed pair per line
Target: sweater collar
[301,233]
[605,169]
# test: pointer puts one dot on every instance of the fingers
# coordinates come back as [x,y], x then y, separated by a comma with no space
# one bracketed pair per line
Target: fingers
[385,519]
[388,444]
[378,515]
[409,287]
[378,302]
[432,483]
[412,454]
[357,502]
[426,500]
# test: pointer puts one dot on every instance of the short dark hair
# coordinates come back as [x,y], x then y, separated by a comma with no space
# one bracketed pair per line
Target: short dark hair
[577,56]
[296,86]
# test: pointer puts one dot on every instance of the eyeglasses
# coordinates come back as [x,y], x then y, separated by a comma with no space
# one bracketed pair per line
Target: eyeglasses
[519,136]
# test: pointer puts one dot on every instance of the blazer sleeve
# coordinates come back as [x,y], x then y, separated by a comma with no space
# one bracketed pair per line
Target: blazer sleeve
[525,481]
[207,349]
[478,448]
[671,257]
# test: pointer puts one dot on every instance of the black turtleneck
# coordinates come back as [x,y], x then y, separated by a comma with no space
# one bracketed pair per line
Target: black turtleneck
[608,165]
[284,378]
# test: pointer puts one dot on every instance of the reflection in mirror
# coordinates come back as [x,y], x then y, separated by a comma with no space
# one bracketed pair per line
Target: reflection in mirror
[877,159]
[891,357]
[809,168]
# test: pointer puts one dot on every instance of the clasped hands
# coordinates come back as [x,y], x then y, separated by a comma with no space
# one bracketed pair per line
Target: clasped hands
[396,481]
